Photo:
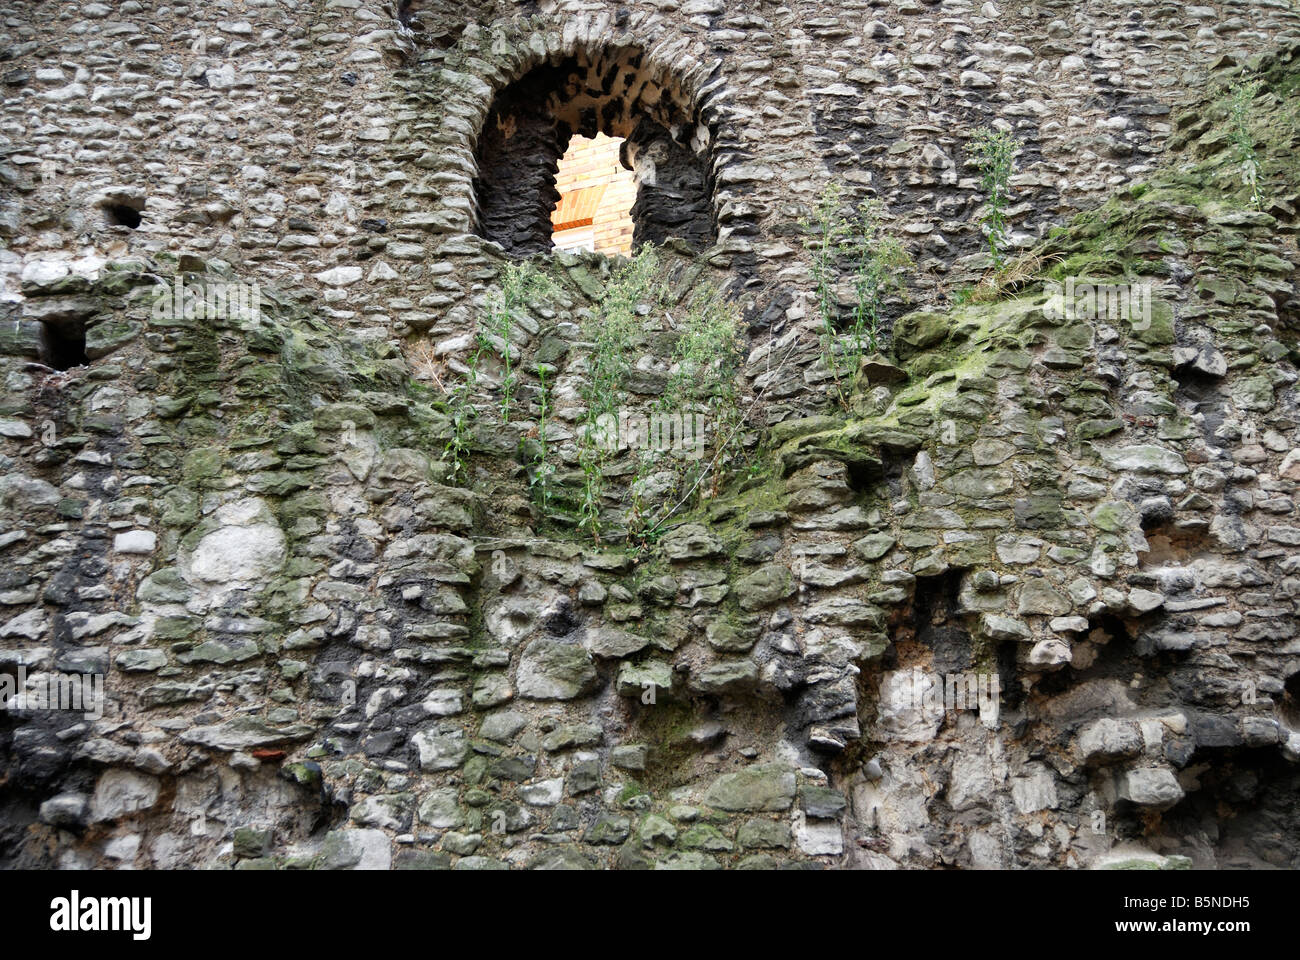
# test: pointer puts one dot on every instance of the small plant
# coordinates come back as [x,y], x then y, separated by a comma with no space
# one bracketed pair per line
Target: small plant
[994,153]
[706,354]
[878,263]
[541,478]
[637,520]
[463,414]
[826,237]
[520,283]
[1013,276]
[591,462]
[1241,95]
[698,392]
[701,391]
[634,286]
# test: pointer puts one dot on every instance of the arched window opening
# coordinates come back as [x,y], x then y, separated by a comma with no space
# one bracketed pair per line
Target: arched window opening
[560,107]
[597,191]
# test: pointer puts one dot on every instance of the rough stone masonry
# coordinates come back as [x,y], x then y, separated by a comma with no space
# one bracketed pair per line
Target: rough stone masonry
[326,646]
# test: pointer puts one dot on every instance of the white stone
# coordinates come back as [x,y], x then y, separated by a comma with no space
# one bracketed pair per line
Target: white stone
[976,80]
[544,793]
[440,751]
[1108,739]
[30,625]
[1050,652]
[123,848]
[362,850]
[1144,601]
[819,838]
[1290,468]
[1069,624]
[248,547]
[972,780]
[340,276]
[122,792]
[1034,791]
[441,809]
[444,703]
[71,92]
[923,470]
[359,451]
[221,78]
[901,709]
[986,850]
[1150,787]
[20,494]
[135,541]
[381,271]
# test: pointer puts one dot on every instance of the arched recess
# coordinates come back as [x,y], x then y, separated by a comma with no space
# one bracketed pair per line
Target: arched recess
[615,89]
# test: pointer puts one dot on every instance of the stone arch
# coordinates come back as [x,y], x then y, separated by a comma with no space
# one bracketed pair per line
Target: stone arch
[536,84]
[607,91]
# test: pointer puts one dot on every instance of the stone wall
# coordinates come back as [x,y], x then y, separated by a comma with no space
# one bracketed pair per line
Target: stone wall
[321,649]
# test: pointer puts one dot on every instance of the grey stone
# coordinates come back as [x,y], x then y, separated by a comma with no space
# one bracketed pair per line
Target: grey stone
[762,787]
[554,670]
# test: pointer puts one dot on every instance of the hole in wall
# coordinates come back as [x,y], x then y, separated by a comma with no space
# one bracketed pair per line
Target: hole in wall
[863,475]
[1241,803]
[939,625]
[1169,546]
[122,215]
[1104,651]
[63,344]
[407,15]
[434,30]
[1197,392]
[1289,707]
[893,469]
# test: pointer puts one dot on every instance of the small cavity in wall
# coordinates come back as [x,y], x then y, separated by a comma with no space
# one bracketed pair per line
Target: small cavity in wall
[63,344]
